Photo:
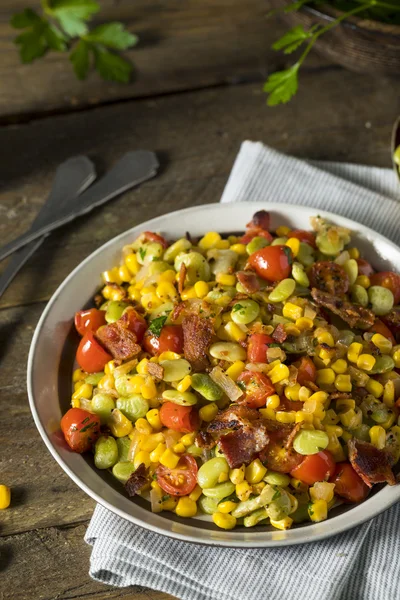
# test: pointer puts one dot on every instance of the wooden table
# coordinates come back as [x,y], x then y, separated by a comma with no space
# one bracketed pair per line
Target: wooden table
[196,96]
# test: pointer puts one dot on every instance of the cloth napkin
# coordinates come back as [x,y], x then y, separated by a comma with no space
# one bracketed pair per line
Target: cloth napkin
[361,564]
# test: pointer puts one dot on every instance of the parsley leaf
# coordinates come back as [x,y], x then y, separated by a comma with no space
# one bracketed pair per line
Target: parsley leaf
[292,39]
[282,85]
[79,58]
[56,40]
[157,324]
[237,307]
[32,44]
[276,495]
[142,252]
[73,14]
[113,35]
[26,18]
[111,66]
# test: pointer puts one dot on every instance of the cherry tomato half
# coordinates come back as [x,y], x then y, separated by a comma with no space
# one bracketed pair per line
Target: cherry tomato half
[307,371]
[348,484]
[179,418]
[272,263]
[255,232]
[89,320]
[256,386]
[91,357]
[180,481]
[257,347]
[150,236]
[170,338]
[315,467]
[389,280]
[364,268]
[80,428]
[307,237]
[379,327]
[133,321]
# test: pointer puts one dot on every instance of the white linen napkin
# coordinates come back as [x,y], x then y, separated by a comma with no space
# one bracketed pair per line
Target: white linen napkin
[361,564]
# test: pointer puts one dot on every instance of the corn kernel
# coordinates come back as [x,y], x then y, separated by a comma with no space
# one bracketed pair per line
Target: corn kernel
[106,383]
[155,486]
[383,343]
[169,459]
[209,240]
[389,421]
[237,475]
[166,291]
[364,281]
[292,311]
[84,391]
[377,436]
[226,506]
[282,524]
[234,332]
[223,245]
[304,323]
[141,457]
[322,490]
[168,355]
[297,484]
[184,384]
[396,358]
[325,377]
[354,253]
[339,366]
[143,426]
[224,521]
[286,417]
[273,401]
[149,442]
[156,454]
[208,412]
[388,393]
[366,362]
[235,369]
[268,413]
[292,392]
[141,367]
[279,373]
[201,289]
[318,511]
[197,492]
[302,416]
[188,439]
[225,279]
[334,429]
[168,276]
[78,375]
[148,389]
[239,249]
[294,245]
[304,393]
[233,239]
[326,356]
[325,337]
[188,293]
[319,396]
[5,497]
[132,263]
[110,276]
[243,490]
[282,231]
[331,417]
[255,471]
[354,351]
[119,424]
[179,448]
[343,383]
[257,488]
[134,293]
[169,504]
[374,387]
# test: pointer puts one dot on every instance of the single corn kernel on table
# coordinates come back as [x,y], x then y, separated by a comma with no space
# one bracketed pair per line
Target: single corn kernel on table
[182,104]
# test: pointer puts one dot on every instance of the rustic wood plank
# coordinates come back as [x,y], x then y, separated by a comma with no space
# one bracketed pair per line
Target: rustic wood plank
[196,138]
[52,564]
[183,45]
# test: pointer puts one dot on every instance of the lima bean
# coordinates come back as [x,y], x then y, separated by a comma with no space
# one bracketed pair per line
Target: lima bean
[381,298]
[220,491]
[222,261]
[245,311]
[275,478]
[204,385]
[283,290]
[208,505]
[176,248]
[383,364]
[123,444]
[181,398]
[256,243]
[114,310]
[310,441]
[197,267]
[209,472]
[133,407]
[147,253]
[351,268]
[94,378]
[175,370]
[280,241]
[105,452]
[103,405]
[359,295]
[305,255]
[255,517]
[229,351]
[299,275]
[123,470]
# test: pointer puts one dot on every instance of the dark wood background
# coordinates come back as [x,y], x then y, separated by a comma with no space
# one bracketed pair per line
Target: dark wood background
[195,97]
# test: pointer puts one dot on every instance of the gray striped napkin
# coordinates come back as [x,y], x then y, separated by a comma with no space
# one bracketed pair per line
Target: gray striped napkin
[361,564]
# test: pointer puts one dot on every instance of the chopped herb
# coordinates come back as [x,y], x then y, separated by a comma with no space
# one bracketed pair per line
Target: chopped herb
[157,324]
[85,420]
[276,495]
[87,427]
[237,307]
[241,385]
[142,253]
[274,345]
[165,497]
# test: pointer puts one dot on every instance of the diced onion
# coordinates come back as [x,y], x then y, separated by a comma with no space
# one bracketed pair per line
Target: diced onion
[226,383]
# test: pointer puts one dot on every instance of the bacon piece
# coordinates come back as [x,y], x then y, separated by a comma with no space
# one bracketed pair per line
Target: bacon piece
[155,370]
[233,417]
[340,395]
[392,320]
[329,277]
[249,281]
[279,334]
[242,445]
[120,342]
[261,220]
[137,480]
[371,464]
[197,333]
[204,440]
[356,316]
[181,280]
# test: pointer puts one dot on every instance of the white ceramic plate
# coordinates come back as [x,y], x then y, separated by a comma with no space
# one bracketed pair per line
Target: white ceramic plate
[54,343]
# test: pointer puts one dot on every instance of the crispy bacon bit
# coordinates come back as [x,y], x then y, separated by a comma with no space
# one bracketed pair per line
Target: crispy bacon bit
[182,276]
[155,370]
[260,220]
[242,445]
[197,333]
[356,316]
[329,277]
[371,464]
[204,440]
[279,454]
[120,342]
[137,480]
[392,320]
[279,334]
[233,417]
[340,395]
[249,281]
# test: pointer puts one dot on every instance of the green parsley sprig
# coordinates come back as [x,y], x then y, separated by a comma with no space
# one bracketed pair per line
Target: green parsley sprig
[63,26]
[283,85]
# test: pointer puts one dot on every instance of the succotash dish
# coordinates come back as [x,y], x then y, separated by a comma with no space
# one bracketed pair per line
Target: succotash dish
[254,378]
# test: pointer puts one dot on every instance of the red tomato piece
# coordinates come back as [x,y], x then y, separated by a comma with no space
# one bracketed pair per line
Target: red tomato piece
[80,428]
[288,405]
[255,232]
[315,467]
[170,338]
[91,357]
[389,280]
[257,347]
[180,481]
[89,320]
[307,237]
[348,484]
[134,321]
[364,268]
[307,371]
[379,327]
[256,386]
[260,220]
[150,236]
[272,263]
[179,418]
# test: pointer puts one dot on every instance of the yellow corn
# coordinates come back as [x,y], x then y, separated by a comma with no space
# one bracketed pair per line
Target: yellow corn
[84,391]
[366,362]
[141,367]
[223,477]
[318,511]
[377,436]
[155,486]
[374,387]
[134,293]
[304,323]
[157,453]
[166,291]
[354,253]
[396,358]
[294,245]
[255,471]
[286,417]
[326,338]
[188,293]
[389,421]
[227,506]
[168,276]
[273,401]
[224,521]
[257,488]
[334,429]
[291,392]
[302,416]
[343,383]
[209,240]
[233,239]
[169,459]
[388,393]
[268,413]
[325,377]
[292,311]
[235,369]
[208,412]
[119,424]
[239,249]
[282,524]
[188,439]
[346,436]
[111,276]
[326,356]
[184,384]
[225,279]
[234,332]
[363,281]
[279,373]
[186,507]
[319,396]
[141,457]
[339,366]
[148,389]
[106,383]
[322,490]
[383,343]
[124,274]
[282,230]
[201,289]
[304,393]
[78,375]
[243,490]
[143,426]
[168,355]
[237,475]
[354,351]
[197,492]
[331,417]
[132,263]
[223,245]
[149,442]
[113,293]
[5,496]
[110,367]
[169,504]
